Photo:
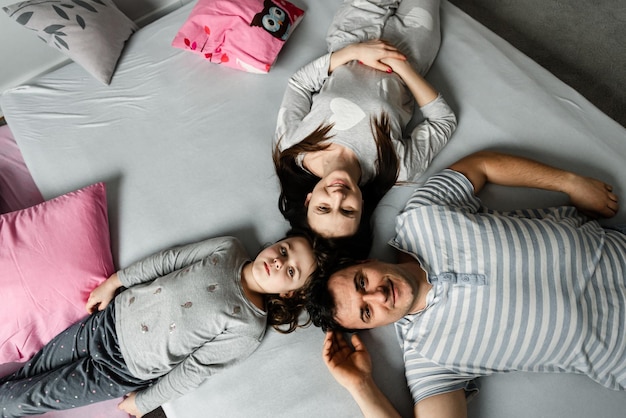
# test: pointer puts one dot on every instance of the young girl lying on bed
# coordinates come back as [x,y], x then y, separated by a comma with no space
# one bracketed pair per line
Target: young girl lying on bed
[188,313]
[341,142]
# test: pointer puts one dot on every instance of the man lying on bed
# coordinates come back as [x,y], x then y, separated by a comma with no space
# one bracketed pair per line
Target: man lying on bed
[478,291]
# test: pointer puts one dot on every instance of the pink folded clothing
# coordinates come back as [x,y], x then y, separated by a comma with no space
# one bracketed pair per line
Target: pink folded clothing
[242,34]
[17,188]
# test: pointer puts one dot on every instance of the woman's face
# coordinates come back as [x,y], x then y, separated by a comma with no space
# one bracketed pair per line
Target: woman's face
[335,205]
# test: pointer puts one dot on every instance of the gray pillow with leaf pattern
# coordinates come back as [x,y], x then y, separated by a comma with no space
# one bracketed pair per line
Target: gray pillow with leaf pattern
[90,32]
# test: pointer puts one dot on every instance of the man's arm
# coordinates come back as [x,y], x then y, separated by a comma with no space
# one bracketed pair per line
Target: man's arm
[589,195]
[352,368]
[445,405]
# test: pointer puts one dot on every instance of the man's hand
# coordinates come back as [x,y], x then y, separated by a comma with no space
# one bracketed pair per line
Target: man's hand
[593,197]
[350,367]
[128,405]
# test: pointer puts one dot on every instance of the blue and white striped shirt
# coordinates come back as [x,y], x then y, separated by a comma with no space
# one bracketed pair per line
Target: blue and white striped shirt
[530,290]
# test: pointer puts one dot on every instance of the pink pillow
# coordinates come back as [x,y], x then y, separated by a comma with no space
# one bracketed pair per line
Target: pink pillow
[52,256]
[243,34]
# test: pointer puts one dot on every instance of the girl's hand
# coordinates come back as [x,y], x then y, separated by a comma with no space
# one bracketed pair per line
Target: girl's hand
[370,53]
[102,295]
[128,405]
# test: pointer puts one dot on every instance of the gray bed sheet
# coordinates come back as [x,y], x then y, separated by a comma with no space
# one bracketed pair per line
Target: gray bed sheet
[184,147]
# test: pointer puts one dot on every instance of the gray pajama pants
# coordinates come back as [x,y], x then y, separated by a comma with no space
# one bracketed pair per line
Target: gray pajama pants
[412,26]
[80,366]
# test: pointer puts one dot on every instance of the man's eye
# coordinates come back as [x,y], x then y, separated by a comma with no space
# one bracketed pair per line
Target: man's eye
[367,312]
[322,209]
[347,212]
[362,283]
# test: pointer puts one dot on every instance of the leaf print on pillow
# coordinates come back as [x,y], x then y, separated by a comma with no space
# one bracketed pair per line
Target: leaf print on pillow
[61,42]
[61,12]
[90,32]
[24,18]
[80,21]
[85,5]
[53,29]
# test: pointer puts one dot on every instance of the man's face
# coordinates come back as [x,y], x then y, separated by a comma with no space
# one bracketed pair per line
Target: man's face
[372,294]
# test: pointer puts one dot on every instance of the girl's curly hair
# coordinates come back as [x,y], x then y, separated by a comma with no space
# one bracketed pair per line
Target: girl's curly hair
[283,313]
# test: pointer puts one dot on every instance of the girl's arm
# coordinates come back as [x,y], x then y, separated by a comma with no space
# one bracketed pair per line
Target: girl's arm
[221,353]
[164,262]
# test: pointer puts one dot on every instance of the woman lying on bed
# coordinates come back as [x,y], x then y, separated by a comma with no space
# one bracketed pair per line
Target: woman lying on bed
[340,139]
[188,313]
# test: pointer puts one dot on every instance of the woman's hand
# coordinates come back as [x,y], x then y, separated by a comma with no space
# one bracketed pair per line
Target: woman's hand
[129,406]
[401,67]
[370,53]
[102,295]
[422,90]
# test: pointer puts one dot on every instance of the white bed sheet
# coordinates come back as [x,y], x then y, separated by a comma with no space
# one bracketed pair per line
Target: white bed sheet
[184,146]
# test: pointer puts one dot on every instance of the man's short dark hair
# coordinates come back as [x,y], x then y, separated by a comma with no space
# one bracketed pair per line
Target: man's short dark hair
[321,304]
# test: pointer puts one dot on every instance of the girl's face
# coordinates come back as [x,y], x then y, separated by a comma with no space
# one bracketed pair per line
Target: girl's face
[335,205]
[284,266]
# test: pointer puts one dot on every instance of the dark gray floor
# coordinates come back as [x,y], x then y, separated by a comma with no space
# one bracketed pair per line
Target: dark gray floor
[582,42]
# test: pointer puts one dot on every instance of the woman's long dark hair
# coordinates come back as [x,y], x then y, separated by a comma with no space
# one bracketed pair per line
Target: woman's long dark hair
[296,182]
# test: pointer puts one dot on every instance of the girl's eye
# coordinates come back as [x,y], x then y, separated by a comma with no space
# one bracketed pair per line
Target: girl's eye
[291,272]
[322,209]
[347,212]
[283,251]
